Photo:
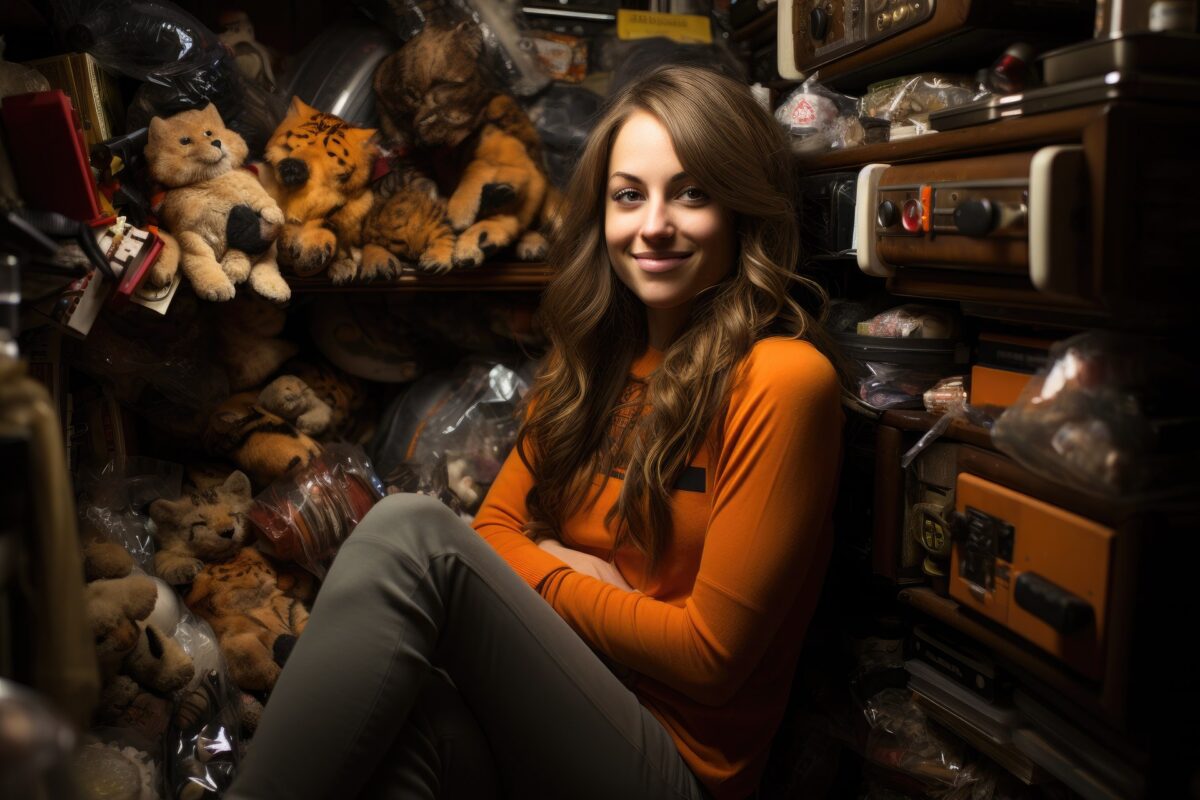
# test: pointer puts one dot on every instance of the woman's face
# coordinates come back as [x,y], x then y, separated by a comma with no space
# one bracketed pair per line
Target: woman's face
[667,239]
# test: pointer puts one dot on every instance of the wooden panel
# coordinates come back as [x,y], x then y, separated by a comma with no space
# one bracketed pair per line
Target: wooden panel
[889,513]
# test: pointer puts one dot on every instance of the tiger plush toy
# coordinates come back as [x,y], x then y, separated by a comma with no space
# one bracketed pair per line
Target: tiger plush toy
[320,176]
[432,93]
[409,228]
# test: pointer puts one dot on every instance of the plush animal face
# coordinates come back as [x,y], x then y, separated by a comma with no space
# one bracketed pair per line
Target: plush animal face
[313,149]
[114,608]
[192,146]
[434,83]
[211,523]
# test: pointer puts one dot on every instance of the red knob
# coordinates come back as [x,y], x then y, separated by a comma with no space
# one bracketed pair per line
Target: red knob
[910,215]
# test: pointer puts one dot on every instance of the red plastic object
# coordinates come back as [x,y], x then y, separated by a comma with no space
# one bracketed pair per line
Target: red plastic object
[46,147]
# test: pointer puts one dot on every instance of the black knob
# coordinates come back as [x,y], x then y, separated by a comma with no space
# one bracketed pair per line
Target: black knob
[887,214]
[818,23]
[975,217]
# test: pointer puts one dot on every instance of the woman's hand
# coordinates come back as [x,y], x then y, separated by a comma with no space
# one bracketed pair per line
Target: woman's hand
[586,564]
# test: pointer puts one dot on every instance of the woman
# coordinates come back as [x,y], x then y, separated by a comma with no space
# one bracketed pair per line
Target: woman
[668,501]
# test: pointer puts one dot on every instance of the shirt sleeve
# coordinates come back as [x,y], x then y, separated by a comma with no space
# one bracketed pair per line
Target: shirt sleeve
[773,490]
[501,521]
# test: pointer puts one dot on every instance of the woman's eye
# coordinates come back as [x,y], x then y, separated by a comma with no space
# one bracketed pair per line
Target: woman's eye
[693,194]
[186,140]
[627,196]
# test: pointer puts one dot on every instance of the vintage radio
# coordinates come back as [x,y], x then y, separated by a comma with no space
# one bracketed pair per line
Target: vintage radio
[853,42]
[1015,223]
[1039,570]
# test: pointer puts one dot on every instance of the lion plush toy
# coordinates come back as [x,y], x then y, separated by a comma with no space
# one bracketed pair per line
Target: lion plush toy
[320,173]
[202,539]
[432,94]
[224,224]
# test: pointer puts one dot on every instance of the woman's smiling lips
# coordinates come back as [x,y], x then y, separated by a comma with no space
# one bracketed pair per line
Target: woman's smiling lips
[660,262]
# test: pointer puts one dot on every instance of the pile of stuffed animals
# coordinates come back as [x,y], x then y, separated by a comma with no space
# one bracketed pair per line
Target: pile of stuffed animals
[463,180]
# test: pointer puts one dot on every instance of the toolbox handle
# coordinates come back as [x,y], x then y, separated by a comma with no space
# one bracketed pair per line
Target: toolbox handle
[1067,613]
[1056,188]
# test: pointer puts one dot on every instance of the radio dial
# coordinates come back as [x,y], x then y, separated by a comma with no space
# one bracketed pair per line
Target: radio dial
[910,215]
[975,217]
[887,214]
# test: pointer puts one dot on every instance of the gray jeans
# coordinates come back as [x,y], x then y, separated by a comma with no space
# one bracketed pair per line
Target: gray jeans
[364,707]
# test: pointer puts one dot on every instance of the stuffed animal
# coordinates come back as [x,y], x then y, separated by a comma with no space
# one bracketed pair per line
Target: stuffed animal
[292,399]
[203,526]
[320,175]
[248,341]
[224,224]
[139,664]
[262,443]
[255,622]
[408,228]
[203,539]
[432,93]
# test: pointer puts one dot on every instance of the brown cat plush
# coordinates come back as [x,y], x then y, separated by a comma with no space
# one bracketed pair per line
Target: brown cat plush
[408,228]
[223,223]
[321,172]
[432,93]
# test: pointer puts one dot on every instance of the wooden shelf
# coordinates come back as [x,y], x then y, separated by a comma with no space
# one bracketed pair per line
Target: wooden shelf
[498,277]
[1025,132]
[921,421]
[1021,658]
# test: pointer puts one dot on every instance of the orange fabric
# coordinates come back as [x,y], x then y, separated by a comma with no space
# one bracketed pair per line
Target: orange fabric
[714,636]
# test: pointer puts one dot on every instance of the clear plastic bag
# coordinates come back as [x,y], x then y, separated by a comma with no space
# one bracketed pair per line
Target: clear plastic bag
[18,78]
[450,433]
[305,517]
[820,119]
[563,116]
[501,23]
[902,738]
[909,100]
[884,386]
[112,503]
[1110,415]
[911,321]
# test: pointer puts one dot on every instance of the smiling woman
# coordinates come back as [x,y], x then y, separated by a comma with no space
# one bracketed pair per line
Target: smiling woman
[625,619]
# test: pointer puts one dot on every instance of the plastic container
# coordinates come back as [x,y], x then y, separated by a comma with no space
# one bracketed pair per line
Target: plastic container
[995,722]
[894,372]
[334,73]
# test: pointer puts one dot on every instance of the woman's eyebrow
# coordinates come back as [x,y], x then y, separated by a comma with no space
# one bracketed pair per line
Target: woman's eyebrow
[634,178]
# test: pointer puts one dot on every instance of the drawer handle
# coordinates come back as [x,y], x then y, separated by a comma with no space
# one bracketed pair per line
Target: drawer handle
[1067,613]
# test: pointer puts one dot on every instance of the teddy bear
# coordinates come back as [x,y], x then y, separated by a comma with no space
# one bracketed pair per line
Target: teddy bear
[204,540]
[139,663]
[223,224]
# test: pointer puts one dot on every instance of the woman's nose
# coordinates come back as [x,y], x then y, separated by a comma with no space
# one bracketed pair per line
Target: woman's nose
[657,223]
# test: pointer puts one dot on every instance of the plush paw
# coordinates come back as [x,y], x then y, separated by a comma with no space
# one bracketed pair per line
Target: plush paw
[467,254]
[462,210]
[378,263]
[307,250]
[236,266]
[532,246]
[343,270]
[215,288]
[182,571]
[267,282]
[161,273]
[271,215]
[437,262]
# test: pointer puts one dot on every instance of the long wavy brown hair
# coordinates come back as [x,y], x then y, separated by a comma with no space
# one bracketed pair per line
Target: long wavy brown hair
[739,155]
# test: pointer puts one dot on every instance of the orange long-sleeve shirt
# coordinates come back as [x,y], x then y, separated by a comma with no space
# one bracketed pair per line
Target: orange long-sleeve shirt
[714,634]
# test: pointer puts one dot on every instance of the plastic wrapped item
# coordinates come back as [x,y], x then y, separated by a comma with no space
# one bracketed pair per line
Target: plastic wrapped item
[501,23]
[896,372]
[820,119]
[108,767]
[112,503]
[911,321]
[561,56]
[18,78]
[902,738]
[182,64]
[305,517]
[563,116]
[202,746]
[450,433]
[1111,415]
[909,100]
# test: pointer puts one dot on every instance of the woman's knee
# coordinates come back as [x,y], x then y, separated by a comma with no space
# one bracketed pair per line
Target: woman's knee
[404,519]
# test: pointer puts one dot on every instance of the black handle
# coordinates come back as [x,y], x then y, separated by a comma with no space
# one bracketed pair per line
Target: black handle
[975,217]
[1052,604]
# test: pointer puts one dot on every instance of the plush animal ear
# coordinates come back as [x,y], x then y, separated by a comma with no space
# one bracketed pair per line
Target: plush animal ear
[166,511]
[237,484]
[158,129]
[211,114]
[301,109]
[471,36]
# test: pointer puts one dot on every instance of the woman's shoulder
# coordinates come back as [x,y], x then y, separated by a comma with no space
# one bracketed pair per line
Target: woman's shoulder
[781,359]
